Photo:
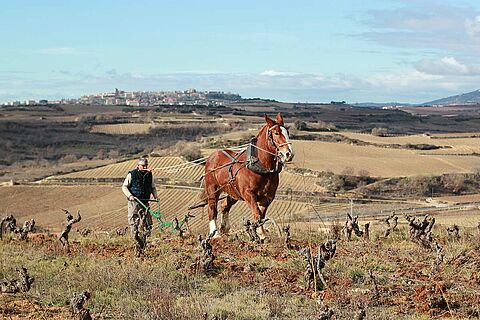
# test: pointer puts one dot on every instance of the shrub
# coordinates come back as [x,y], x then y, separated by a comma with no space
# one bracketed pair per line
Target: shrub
[454,182]
[379,132]
[69,158]
[300,125]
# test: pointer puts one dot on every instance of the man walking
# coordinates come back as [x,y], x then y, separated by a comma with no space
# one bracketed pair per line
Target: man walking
[139,184]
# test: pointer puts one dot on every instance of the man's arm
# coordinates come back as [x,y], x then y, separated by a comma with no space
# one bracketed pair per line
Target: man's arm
[154,189]
[126,185]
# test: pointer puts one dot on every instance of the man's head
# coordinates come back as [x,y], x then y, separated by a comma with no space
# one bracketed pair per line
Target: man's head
[142,164]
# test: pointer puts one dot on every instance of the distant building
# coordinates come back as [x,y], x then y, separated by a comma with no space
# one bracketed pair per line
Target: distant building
[132,103]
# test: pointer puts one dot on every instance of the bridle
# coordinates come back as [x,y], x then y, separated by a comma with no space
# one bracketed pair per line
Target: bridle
[272,141]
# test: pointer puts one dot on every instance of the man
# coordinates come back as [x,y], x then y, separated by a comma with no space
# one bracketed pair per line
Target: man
[139,184]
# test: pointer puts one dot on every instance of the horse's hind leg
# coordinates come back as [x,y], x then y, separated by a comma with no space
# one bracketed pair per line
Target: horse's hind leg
[225,209]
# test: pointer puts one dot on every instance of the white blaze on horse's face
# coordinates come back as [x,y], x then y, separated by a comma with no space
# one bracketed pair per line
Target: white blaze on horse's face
[282,143]
[286,150]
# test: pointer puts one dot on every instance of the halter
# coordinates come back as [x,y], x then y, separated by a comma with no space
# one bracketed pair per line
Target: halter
[270,138]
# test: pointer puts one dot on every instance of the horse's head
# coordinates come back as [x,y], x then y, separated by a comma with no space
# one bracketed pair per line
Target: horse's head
[278,136]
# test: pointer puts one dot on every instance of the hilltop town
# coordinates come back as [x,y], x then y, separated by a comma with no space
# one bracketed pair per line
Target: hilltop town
[141,98]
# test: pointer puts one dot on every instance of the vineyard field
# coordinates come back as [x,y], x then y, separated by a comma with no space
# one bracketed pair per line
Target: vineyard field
[177,169]
[469,198]
[171,170]
[104,208]
[455,143]
[379,162]
[122,128]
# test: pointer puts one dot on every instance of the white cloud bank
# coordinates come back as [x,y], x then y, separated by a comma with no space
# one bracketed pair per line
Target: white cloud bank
[446,66]
[430,80]
[472,27]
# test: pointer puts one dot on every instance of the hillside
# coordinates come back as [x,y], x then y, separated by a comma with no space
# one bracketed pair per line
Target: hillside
[464,98]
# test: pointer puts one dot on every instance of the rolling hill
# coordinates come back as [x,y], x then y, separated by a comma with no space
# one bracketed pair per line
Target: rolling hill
[464,98]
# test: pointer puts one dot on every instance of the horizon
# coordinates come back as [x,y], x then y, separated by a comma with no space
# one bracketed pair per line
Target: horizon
[374,51]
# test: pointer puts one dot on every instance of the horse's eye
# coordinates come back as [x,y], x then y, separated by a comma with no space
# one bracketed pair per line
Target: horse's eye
[276,133]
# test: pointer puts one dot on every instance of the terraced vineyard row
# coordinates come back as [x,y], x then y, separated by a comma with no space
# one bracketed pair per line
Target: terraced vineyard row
[122,128]
[173,168]
[105,207]
[176,169]
[363,208]
[298,182]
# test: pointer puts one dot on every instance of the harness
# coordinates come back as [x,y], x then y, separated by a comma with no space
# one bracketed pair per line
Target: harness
[230,169]
[253,162]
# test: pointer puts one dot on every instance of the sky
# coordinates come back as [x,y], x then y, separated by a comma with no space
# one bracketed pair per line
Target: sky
[296,51]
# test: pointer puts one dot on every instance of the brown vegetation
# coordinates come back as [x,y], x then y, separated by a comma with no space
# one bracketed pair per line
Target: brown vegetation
[385,278]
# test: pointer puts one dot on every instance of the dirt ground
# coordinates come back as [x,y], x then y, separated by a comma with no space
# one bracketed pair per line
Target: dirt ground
[403,281]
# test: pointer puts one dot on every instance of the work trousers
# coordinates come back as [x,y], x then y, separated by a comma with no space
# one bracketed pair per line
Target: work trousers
[136,211]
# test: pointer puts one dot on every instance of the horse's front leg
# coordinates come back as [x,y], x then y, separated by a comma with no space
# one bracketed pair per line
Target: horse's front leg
[263,206]
[212,213]
[251,200]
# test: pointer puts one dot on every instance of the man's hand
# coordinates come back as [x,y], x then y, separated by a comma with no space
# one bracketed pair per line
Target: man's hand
[131,197]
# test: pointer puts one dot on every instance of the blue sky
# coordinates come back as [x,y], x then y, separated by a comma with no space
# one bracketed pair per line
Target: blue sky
[315,51]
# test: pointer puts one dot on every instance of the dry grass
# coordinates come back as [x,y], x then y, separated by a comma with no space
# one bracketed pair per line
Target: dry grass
[468,198]
[250,281]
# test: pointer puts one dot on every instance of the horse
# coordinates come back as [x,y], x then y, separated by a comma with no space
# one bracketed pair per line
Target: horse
[251,175]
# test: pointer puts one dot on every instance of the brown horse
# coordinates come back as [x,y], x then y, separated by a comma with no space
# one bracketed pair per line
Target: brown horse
[250,175]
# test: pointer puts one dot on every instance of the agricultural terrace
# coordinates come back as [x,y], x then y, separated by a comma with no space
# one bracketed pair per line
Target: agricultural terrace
[144,128]
[122,128]
[105,207]
[177,171]
[467,198]
[377,161]
[458,143]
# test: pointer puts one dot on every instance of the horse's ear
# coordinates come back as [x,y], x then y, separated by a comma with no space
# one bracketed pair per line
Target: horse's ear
[279,119]
[269,121]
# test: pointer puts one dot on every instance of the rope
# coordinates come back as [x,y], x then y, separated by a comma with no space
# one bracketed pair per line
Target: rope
[190,164]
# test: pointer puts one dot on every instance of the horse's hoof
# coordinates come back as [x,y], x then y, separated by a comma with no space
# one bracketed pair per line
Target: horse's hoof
[224,231]
[216,236]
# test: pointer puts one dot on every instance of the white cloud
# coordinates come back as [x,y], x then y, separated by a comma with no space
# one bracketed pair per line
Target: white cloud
[432,26]
[274,73]
[445,66]
[406,86]
[472,27]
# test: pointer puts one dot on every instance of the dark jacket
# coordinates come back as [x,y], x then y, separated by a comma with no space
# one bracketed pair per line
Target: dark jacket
[141,185]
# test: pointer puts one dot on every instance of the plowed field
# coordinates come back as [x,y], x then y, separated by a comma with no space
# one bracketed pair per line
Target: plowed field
[379,162]
[105,207]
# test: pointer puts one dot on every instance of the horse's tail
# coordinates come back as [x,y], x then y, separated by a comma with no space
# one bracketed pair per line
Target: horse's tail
[1,229]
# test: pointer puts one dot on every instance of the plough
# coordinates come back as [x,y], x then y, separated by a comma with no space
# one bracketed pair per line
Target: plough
[175,224]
